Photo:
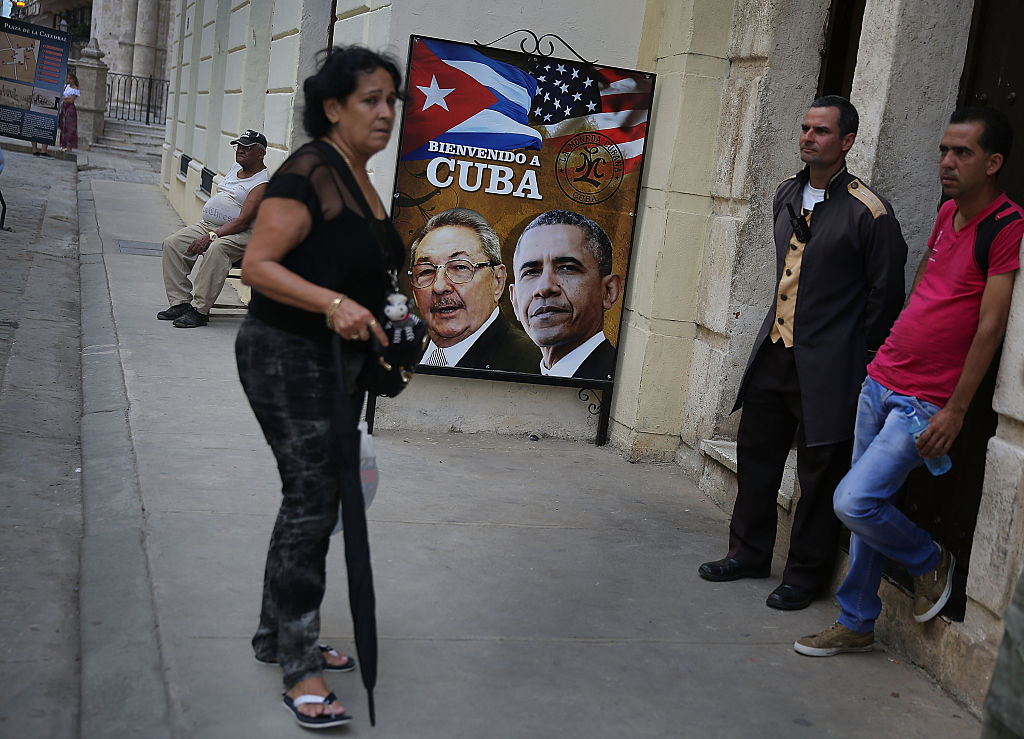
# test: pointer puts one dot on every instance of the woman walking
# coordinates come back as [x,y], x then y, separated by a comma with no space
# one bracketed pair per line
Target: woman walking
[318,263]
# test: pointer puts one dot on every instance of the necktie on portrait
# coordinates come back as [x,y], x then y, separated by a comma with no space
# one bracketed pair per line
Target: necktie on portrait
[436,358]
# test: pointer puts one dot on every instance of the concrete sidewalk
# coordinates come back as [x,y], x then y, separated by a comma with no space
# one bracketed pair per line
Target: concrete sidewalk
[40,408]
[543,589]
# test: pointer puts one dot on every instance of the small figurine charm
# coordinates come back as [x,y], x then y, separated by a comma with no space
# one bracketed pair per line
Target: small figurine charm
[401,322]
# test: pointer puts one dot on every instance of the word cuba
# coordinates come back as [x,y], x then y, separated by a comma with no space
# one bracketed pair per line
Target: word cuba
[495,179]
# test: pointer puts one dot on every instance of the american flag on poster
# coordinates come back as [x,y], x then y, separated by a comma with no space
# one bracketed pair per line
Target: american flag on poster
[577,97]
[459,96]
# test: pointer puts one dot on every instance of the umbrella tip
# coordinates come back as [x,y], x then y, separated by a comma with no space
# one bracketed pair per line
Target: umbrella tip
[373,710]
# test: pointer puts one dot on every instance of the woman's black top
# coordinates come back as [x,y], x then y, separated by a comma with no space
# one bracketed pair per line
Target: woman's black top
[347,249]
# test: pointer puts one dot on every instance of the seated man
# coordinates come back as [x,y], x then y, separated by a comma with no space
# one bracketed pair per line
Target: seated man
[221,235]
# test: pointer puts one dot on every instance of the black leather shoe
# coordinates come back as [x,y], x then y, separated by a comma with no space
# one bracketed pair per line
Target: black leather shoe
[191,319]
[789,598]
[174,312]
[727,569]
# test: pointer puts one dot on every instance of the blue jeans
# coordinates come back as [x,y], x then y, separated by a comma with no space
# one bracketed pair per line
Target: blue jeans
[884,453]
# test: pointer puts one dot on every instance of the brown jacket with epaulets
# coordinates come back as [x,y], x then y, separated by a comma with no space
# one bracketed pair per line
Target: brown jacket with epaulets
[851,291]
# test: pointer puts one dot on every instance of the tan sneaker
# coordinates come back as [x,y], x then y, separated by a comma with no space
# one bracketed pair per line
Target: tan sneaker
[932,589]
[835,640]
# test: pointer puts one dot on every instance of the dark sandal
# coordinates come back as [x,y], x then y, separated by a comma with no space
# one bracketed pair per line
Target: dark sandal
[323,721]
[347,666]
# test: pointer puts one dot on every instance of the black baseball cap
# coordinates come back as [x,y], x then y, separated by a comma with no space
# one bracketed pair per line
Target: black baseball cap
[250,137]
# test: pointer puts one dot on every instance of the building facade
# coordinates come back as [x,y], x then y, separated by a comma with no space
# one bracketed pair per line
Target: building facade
[132,34]
[735,78]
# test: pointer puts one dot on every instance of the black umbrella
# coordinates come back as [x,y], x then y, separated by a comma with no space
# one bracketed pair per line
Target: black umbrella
[361,598]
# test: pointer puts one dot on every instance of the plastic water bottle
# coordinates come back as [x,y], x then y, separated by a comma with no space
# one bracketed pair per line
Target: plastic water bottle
[936,465]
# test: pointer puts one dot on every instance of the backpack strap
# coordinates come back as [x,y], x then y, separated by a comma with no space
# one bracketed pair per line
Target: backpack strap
[986,233]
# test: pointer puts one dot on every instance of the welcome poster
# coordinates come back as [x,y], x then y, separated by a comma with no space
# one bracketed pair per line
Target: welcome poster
[548,154]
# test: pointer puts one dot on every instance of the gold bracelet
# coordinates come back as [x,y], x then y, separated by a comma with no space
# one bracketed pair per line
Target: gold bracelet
[333,307]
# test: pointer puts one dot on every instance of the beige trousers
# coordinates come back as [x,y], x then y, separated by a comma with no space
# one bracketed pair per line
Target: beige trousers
[204,289]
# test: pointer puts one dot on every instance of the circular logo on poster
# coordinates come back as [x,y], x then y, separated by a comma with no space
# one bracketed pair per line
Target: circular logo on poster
[589,167]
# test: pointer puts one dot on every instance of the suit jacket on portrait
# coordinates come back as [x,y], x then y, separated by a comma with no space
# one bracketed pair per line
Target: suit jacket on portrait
[600,364]
[503,347]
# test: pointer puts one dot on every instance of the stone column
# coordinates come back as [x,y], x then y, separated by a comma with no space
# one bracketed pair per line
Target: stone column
[687,45]
[105,26]
[147,20]
[92,104]
[126,44]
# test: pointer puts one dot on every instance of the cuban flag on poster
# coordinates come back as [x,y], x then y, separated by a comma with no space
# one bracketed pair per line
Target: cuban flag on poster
[459,96]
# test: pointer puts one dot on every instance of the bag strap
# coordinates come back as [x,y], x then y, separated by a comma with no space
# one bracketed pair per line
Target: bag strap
[986,233]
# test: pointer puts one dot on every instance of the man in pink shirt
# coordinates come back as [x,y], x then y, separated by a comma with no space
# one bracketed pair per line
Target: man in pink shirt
[932,362]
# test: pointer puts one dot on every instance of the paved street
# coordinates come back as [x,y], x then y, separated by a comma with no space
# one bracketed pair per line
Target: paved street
[542,589]
[40,480]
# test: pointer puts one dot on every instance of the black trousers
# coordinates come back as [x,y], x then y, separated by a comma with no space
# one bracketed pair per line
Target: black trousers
[772,415]
[290,383]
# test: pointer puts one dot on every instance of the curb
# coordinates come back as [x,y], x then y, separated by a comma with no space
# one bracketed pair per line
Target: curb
[25,147]
[123,688]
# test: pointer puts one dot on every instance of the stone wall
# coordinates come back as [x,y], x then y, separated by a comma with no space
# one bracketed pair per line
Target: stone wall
[773,70]
[241,66]
[688,45]
[904,88]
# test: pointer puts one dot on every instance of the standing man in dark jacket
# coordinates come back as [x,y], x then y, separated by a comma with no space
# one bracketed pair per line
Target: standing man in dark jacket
[839,271]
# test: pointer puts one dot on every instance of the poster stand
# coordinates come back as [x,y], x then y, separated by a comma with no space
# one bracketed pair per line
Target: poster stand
[599,405]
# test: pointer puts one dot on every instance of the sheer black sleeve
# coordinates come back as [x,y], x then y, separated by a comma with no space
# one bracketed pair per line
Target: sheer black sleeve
[307,177]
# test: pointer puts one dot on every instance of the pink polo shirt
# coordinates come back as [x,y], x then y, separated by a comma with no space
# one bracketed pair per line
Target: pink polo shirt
[926,349]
